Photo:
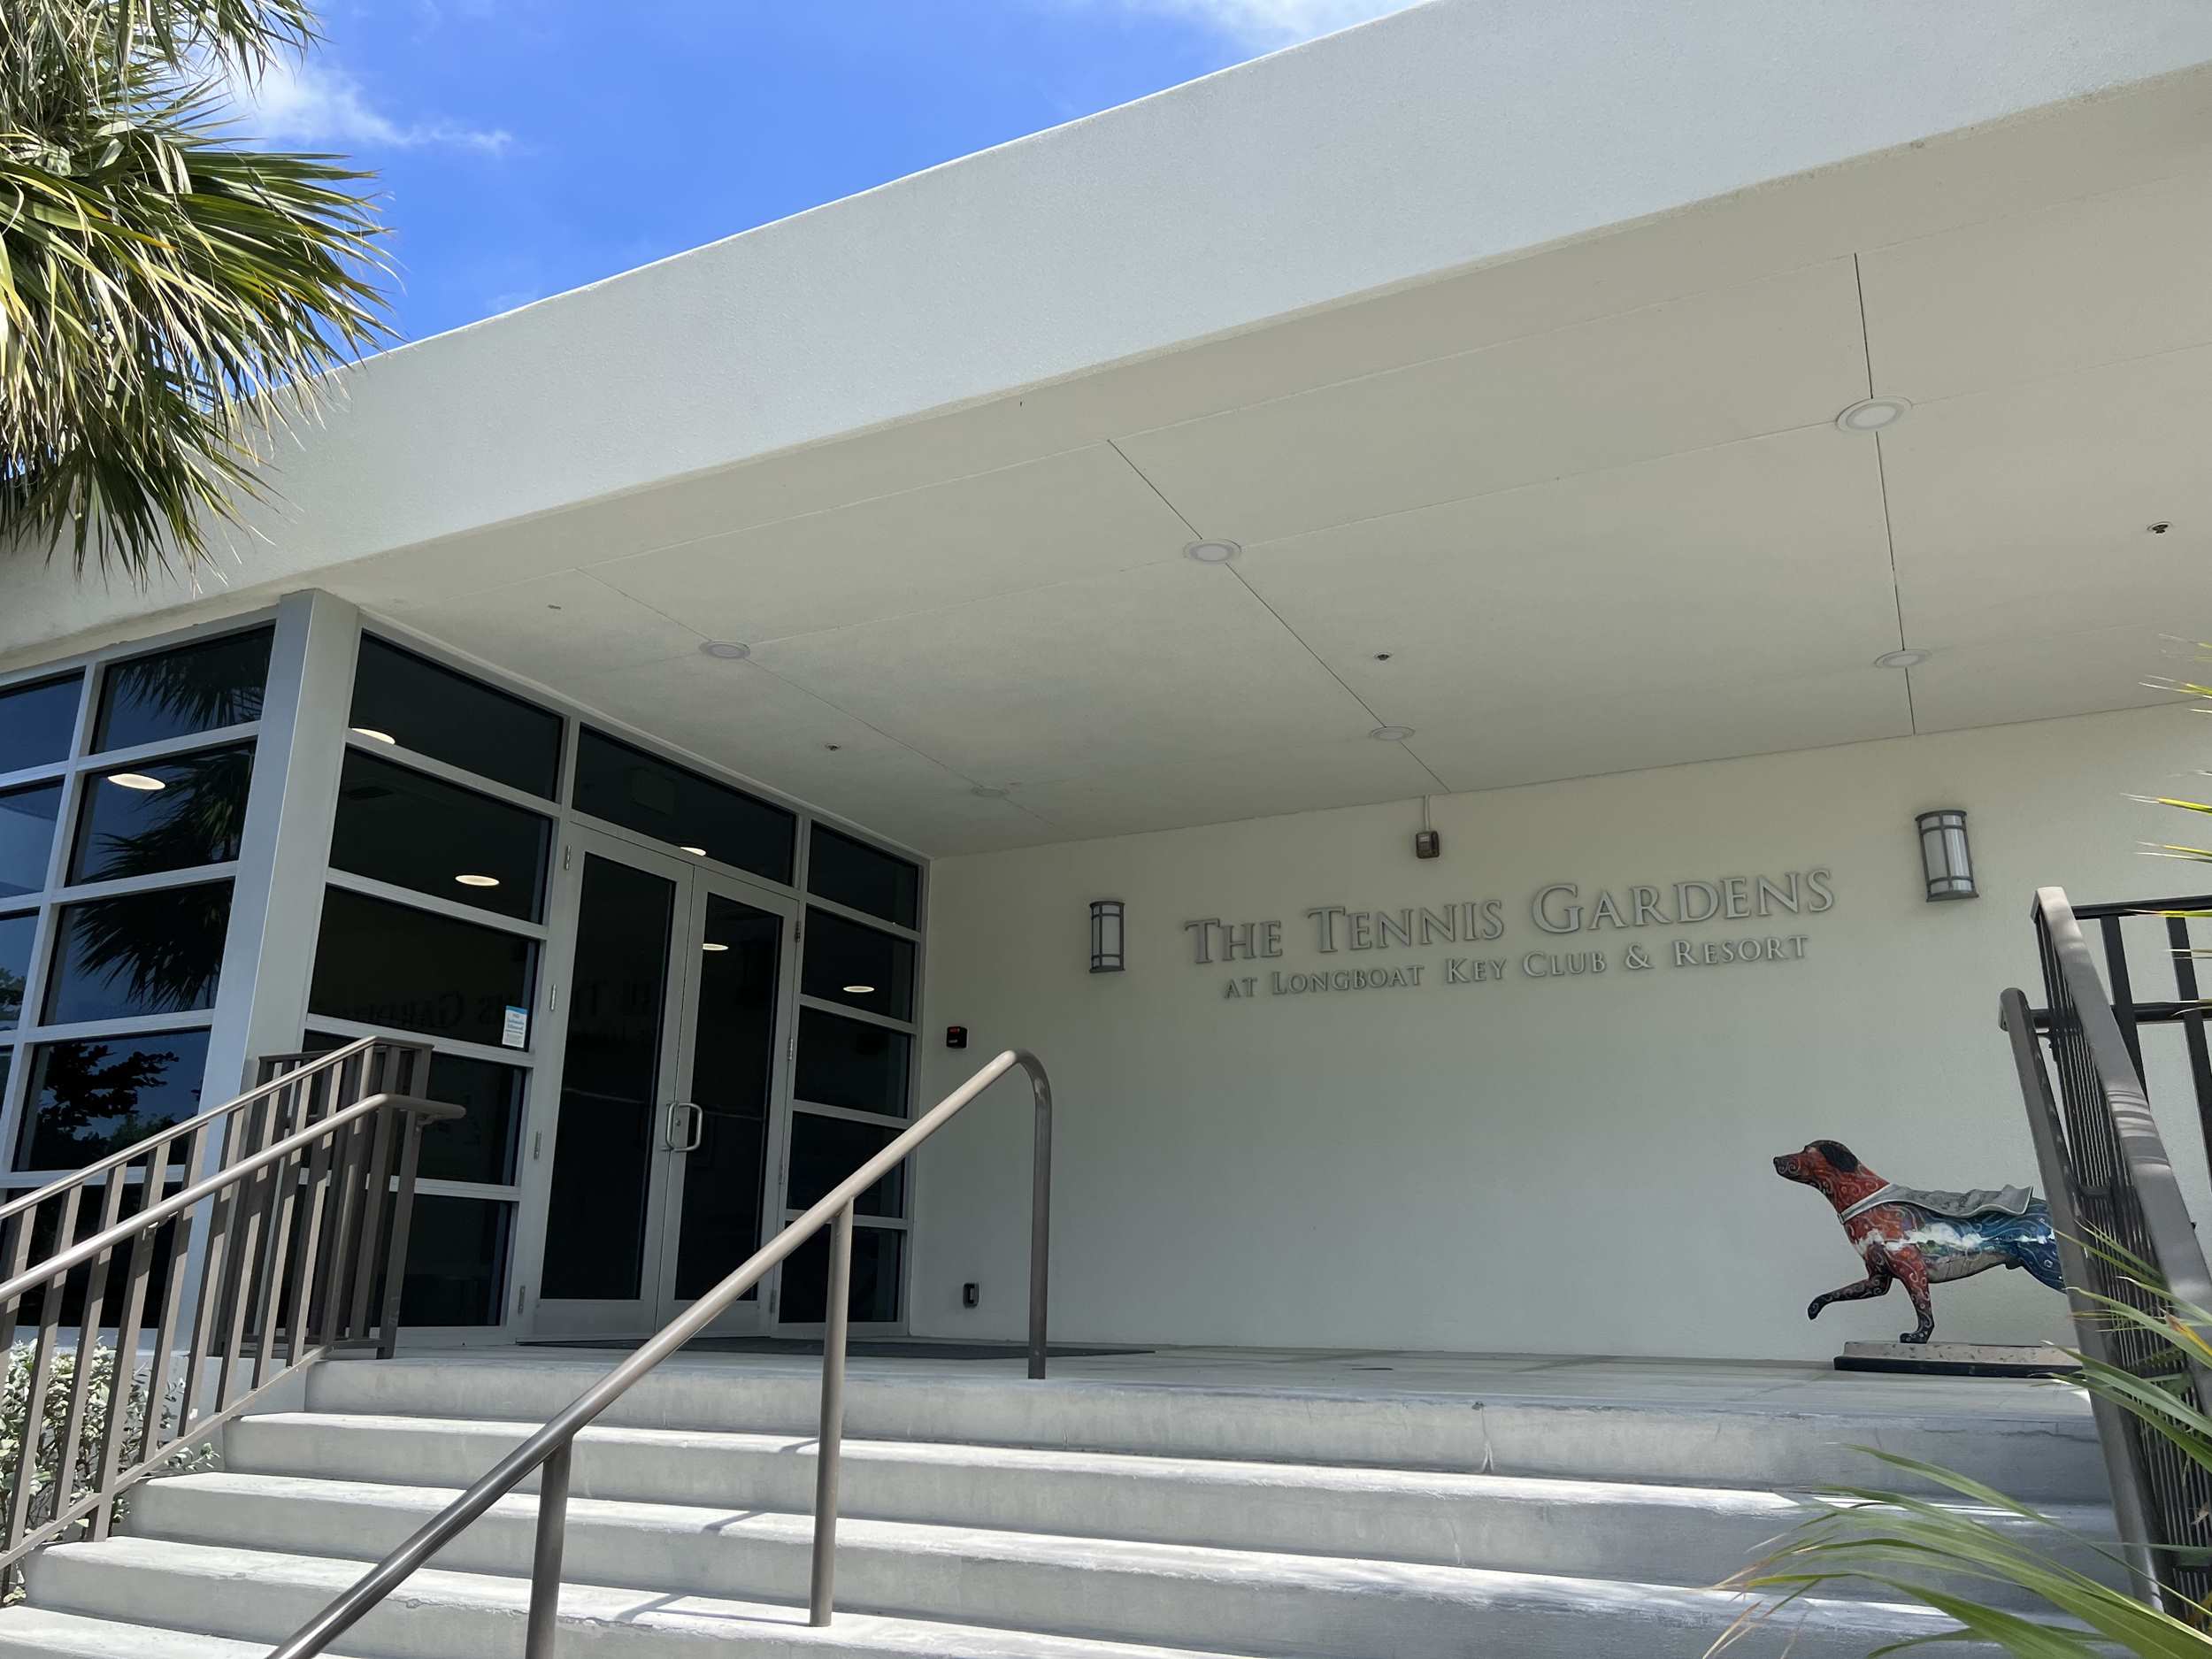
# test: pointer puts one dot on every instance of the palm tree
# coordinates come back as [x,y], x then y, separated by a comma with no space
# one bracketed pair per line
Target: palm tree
[171,297]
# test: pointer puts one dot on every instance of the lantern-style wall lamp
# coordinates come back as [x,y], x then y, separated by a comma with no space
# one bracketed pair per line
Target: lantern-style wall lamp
[1106,935]
[1945,857]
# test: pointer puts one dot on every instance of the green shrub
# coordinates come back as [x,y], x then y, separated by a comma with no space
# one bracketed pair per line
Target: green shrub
[15,1414]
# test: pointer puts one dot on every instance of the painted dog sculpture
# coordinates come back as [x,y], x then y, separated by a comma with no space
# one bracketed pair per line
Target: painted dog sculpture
[1916,1238]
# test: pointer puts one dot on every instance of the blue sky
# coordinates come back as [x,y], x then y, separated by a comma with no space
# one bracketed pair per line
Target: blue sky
[529,146]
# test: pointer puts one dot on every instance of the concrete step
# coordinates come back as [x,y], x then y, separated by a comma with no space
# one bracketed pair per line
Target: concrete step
[256,1600]
[1298,1606]
[1683,1535]
[2042,1459]
[37,1632]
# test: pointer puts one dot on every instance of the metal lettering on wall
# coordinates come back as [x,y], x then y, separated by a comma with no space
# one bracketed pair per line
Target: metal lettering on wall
[1561,908]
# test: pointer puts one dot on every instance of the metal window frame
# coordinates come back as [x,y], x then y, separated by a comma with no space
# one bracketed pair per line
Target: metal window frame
[802,819]
[870,916]
[74,772]
[912,1028]
[406,640]
[543,1059]
[453,776]
[306,703]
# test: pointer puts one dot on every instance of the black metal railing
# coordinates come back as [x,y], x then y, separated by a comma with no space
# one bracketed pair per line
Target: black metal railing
[258,1237]
[2110,1184]
[2135,981]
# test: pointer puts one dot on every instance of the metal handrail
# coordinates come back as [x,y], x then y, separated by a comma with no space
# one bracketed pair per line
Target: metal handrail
[553,1447]
[296,1235]
[2102,924]
[2019,1023]
[2108,1177]
[123,1231]
[333,1060]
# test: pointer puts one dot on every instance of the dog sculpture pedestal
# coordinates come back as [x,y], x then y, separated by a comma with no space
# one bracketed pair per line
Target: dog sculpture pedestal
[1958,1359]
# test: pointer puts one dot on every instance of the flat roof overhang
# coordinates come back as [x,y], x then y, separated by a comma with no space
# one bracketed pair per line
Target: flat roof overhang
[1510,349]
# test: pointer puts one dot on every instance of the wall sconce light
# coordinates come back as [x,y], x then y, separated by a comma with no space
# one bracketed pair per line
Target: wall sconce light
[1944,855]
[1106,935]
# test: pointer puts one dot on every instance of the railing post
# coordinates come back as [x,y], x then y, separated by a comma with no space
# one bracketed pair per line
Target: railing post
[1039,1219]
[402,1218]
[545,1559]
[827,1448]
[2123,1465]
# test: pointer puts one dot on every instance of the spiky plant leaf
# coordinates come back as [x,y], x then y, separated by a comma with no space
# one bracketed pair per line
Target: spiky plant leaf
[1917,1549]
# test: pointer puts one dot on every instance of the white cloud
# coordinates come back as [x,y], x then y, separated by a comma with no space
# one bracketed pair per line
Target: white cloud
[320,105]
[1272,22]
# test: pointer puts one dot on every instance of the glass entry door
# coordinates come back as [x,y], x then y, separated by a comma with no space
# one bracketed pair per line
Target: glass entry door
[674,1089]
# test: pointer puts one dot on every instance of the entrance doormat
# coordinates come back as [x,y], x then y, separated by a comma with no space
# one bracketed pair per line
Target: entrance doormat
[1958,1359]
[858,1347]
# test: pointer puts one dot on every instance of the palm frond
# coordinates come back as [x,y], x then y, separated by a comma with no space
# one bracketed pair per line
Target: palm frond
[1949,1556]
[171,298]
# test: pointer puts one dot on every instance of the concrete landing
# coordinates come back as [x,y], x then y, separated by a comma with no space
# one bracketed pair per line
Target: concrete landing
[1790,1384]
[1697,1421]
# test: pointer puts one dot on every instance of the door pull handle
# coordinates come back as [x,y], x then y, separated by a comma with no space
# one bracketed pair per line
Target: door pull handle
[675,1139]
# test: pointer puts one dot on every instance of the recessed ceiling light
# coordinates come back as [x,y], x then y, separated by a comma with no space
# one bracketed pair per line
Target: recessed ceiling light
[1212,552]
[987,791]
[478,881]
[1872,414]
[1390,733]
[725,651]
[1901,659]
[375,737]
[696,852]
[860,990]
[711,944]
[135,781]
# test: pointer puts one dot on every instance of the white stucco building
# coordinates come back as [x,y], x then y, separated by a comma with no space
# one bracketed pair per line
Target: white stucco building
[684,698]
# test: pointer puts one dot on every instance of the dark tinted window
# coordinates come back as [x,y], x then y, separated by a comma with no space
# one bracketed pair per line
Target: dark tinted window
[420,705]
[825,1150]
[733,1076]
[850,1063]
[38,722]
[482,1145]
[628,787]
[174,694]
[87,1099]
[854,874]
[846,963]
[16,934]
[457,1261]
[610,1085]
[26,836]
[875,1282]
[163,815]
[417,831]
[381,963]
[479,1147]
[158,952]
